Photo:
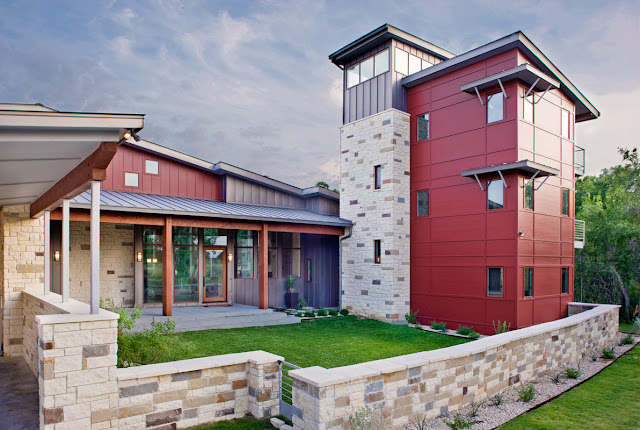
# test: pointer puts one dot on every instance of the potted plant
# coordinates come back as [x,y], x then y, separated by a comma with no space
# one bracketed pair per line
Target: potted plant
[291,296]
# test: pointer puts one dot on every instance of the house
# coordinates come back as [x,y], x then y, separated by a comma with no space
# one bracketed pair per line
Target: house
[458,173]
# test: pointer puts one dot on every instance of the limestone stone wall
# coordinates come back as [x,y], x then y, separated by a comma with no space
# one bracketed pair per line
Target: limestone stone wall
[377,290]
[116,262]
[32,306]
[436,382]
[22,268]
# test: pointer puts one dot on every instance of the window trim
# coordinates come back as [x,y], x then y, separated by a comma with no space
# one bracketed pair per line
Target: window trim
[253,255]
[377,177]
[427,114]
[377,251]
[501,282]
[489,97]
[525,282]
[428,203]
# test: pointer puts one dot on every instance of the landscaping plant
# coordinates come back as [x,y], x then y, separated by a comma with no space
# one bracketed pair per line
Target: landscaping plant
[475,409]
[501,327]
[572,372]
[301,304]
[309,314]
[299,315]
[608,353]
[459,422]
[333,312]
[418,423]
[440,326]
[627,340]
[418,326]
[526,392]
[344,312]
[322,312]
[557,377]
[473,334]
[464,330]
[497,400]
[636,325]
[411,316]
[366,418]
[594,355]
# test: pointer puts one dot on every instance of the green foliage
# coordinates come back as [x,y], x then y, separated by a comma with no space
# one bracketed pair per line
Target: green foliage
[418,326]
[501,327]
[291,283]
[464,330]
[636,326]
[458,422]
[322,184]
[366,418]
[556,378]
[475,409]
[333,312]
[440,326]
[572,372]
[594,355]
[322,312]
[608,353]
[309,314]
[526,392]
[473,334]
[344,312]
[497,400]
[418,423]
[411,316]
[299,314]
[301,304]
[627,340]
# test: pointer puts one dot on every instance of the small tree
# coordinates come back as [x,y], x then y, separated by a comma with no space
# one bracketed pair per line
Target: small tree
[322,184]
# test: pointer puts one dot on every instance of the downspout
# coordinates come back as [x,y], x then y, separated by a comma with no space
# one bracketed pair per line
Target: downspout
[340,267]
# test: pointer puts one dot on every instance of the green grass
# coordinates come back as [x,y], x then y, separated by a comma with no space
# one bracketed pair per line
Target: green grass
[243,424]
[327,342]
[625,328]
[610,400]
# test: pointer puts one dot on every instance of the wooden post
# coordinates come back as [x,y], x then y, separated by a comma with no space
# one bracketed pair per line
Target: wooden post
[263,263]
[167,269]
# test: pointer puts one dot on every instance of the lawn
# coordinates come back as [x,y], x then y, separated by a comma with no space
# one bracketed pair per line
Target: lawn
[625,328]
[609,400]
[327,342]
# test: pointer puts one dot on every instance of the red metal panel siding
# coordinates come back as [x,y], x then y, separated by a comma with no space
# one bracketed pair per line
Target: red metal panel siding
[173,178]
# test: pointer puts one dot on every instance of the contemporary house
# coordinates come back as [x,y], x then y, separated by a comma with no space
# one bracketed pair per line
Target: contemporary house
[458,173]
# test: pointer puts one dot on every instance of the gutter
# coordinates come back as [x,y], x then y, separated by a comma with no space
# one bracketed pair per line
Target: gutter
[340,266]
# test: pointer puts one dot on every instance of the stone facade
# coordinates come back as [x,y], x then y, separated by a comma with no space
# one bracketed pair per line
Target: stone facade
[433,383]
[377,290]
[21,269]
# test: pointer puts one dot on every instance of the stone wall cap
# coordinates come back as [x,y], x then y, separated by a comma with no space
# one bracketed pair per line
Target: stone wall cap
[71,311]
[76,318]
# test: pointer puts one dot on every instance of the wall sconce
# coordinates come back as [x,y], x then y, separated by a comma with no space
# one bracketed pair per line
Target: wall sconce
[139,256]
[148,260]
[126,135]
[56,255]
[155,260]
[230,257]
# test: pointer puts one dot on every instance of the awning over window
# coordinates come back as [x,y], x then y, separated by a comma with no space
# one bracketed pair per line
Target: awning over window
[525,166]
[524,72]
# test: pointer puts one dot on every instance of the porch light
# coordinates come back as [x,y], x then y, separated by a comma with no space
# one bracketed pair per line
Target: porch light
[56,255]
[155,260]
[139,256]
[127,135]
[230,257]
[148,260]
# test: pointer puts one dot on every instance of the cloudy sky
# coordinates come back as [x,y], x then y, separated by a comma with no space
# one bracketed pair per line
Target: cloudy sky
[249,82]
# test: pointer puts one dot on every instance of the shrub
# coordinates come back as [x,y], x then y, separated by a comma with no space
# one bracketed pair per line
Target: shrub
[627,340]
[526,392]
[419,423]
[322,312]
[464,330]
[594,355]
[473,334]
[636,326]
[497,400]
[411,316]
[459,422]
[309,314]
[557,377]
[475,409]
[333,312]
[367,419]
[440,326]
[501,327]
[608,353]
[301,304]
[299,314]
[344,312]
[572,372]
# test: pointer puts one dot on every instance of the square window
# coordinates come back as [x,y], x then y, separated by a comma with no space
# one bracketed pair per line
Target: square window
[423,202]
[422,127]
[564,126]
[565,280]
[353,75]
[494,282]
[527,112]
[528,281]
[151,167]
[377,177]
[528,195]
[382,62]
[565,201]
[495,108]
[377,251]
[495,195]
[402,61]
[366,69]
[130,179]
[415,64]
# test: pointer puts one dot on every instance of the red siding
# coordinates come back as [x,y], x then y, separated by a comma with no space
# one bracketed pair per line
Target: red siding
[173,178]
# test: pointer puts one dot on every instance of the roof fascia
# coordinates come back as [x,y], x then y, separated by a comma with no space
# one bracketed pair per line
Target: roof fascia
[59,120]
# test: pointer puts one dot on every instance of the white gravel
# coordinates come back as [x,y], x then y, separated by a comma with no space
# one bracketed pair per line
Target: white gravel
[490,417]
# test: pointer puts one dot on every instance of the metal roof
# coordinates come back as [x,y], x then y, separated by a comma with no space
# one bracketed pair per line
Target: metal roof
[523,166]
[525,72]
[151,203]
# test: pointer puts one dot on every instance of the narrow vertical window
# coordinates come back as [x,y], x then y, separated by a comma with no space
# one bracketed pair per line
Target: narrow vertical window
[291,255]
[244,254]
[422,127]
[152,265]
[377,177]
[495,108]
[273,254]
[382,62]
[495,195]
[402,61]
[528,195]
[565,201]
[528,108]
[528,281]
[309,274]
[377,251]
[565,280]
[494,282]
[353,75]
[565,124]
[422,200]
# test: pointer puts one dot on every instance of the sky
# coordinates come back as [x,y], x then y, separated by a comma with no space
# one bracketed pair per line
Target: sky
[249,82]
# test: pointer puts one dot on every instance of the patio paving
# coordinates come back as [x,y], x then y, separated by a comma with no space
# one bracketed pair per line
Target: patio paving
[18,395]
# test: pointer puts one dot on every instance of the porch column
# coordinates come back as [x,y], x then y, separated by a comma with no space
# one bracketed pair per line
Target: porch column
[64,252]
[167,270]
[263,263]
[94,299]
[47,252]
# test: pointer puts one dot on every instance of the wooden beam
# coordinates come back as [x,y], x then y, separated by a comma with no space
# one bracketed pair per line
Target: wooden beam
[307,228]
[263,263]
[113,217]
[205,222]
[92,168]
[167,267]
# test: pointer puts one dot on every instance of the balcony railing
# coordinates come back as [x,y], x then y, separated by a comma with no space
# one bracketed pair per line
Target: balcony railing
[578,161]
[579,234]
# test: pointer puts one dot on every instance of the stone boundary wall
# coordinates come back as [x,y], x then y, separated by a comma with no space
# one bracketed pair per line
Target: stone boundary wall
[433,383]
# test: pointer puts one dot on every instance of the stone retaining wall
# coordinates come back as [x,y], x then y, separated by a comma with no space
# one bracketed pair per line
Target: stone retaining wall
[437,382]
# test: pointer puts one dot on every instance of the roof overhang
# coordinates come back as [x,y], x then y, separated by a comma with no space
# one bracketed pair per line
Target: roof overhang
[524,72]
[584,109]
[525,166]
[380,35]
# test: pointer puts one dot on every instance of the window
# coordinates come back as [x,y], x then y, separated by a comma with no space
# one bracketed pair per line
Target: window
[422,127]
[353,75]
[130,179]
[495,108]
[565,201]
[185,264]
[377,177]
[309,275]
[565,125]
[426,64]
[273,255]
[528,281]
[377,251]
[402,61]
[291,255]
[244,254]
[215,237]
[565,280]
[527,112]
[423,202]
[415,64]
[382,62]
[152,265]
[495,195]
[528,195]
[368,68]
[151,167]
[494,281]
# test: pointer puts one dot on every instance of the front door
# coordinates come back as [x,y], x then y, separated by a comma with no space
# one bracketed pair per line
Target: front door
[215,274]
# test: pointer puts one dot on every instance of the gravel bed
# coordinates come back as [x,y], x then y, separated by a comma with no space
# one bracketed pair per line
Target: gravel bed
[490,417]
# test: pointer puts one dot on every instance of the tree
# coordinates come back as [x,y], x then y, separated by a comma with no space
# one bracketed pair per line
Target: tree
[322,184]
[609,264]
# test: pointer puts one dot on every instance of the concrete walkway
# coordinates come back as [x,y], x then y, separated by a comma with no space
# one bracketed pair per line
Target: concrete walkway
[18,395]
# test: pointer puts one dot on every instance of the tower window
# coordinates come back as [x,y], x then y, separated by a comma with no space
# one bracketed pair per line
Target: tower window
[565,280]
[377,251]
[377,177]
[422,127]
[495,108]
[565,201]
[494,281]
[423,202]
[528,281]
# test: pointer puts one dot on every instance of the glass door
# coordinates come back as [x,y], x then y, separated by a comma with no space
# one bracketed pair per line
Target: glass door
[215,274]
